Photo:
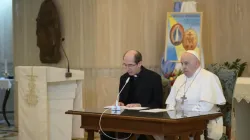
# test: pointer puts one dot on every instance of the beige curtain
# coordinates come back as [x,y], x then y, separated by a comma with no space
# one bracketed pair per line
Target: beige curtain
[117,26]
[225,30]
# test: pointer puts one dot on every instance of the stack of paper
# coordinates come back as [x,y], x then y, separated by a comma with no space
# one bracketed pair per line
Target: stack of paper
[128,108]
[154,110]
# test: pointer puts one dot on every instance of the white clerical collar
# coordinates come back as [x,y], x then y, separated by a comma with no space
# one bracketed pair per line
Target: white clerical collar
[196,73]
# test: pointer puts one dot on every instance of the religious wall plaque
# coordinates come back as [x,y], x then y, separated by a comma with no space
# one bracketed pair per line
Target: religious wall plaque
[176,34]
[183,32]
[190,39]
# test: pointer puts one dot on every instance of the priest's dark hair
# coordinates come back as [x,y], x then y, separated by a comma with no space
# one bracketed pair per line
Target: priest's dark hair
[137,57]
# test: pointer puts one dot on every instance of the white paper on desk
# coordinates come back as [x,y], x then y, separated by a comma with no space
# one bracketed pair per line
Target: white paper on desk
[154,110]
[110,107]
[128,108]
[135,108]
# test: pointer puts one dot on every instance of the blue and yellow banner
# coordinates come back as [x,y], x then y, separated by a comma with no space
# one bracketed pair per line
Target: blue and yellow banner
[183,32]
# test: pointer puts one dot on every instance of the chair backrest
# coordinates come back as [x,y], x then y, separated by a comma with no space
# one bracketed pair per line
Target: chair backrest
[166,90]
[228,79]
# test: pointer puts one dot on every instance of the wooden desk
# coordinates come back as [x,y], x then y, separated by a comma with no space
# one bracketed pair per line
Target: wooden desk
[132,121]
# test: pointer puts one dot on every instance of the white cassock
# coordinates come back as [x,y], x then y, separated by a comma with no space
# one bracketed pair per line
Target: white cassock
[203,92]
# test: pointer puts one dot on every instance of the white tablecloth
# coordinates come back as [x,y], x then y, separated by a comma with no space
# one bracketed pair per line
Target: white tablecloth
[5,83]
[242,108]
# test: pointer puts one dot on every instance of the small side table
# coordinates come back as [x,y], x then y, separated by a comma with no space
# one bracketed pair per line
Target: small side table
[5,84]
[242,108]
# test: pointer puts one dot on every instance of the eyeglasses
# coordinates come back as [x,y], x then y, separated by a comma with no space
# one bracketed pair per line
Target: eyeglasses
[128,65]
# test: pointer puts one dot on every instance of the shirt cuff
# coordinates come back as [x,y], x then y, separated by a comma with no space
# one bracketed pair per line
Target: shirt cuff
[170,107]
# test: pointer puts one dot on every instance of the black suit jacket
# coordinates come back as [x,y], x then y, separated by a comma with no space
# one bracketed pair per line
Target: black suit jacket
[148,90]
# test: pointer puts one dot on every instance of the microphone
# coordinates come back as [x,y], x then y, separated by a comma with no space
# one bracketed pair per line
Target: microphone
[68,74]
[117,107]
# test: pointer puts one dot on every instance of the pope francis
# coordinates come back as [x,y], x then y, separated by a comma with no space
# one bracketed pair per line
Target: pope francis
[197,90]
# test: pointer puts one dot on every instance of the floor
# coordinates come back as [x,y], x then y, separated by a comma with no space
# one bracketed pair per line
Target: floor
[10,133]
[7,133]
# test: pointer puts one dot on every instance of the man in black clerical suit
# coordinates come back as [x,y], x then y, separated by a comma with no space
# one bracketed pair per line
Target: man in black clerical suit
[143,89]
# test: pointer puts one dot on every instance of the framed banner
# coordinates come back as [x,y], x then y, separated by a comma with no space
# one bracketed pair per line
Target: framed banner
[183,32]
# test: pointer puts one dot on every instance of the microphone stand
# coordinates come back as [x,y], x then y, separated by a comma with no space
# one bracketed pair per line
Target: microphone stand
[117,109]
